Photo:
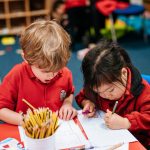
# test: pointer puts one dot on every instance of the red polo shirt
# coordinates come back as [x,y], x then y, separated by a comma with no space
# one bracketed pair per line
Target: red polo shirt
[137,110]
[21,83]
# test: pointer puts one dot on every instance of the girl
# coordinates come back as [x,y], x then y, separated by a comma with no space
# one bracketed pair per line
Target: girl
[110,76]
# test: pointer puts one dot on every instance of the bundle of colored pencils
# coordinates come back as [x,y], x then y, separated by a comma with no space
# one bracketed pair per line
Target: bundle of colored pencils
[40,123]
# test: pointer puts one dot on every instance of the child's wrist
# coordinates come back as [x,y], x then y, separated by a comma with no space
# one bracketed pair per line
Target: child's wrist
[20,119]
[67,102]
[127,123]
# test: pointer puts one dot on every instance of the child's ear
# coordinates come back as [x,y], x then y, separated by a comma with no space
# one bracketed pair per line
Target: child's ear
[124,72]
[22,54]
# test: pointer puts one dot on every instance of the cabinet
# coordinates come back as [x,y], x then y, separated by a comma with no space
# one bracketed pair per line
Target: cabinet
[17,14]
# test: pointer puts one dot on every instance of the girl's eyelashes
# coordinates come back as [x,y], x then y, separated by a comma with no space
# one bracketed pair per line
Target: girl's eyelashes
[111,90]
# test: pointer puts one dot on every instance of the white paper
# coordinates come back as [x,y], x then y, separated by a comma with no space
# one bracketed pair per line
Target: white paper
[98,133]
[69,135]
[122,147]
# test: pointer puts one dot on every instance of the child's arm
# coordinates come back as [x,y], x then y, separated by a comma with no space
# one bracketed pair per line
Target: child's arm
[10,116]
[86,104]
[67,111]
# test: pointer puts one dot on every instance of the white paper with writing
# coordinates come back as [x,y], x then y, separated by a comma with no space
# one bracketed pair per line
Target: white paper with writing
[98,133]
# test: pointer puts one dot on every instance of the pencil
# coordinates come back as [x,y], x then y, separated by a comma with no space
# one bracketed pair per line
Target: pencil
[40,123]
[115,146]
[115,106]
[86,112]
[25,101]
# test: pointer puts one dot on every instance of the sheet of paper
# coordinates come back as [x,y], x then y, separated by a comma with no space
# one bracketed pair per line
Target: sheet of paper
[122,147]
[68,135]
[98,133]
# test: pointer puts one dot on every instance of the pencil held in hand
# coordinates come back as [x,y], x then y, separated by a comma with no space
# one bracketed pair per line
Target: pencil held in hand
[40,123]
[115,106]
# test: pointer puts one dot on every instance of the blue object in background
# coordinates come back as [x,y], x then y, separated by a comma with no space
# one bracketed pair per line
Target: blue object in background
[136,22]
[130,10]
[147,26]
[146,77]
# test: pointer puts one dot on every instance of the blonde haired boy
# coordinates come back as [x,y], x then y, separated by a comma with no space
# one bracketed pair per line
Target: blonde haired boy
[43,78]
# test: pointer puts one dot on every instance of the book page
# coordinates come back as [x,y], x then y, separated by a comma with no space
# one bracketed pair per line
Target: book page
[100,135]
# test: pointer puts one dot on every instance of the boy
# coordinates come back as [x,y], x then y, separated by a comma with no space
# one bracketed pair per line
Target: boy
[42,79]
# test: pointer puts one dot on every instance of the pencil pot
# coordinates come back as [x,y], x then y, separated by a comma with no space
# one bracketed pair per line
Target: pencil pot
[47,143]
[39,128]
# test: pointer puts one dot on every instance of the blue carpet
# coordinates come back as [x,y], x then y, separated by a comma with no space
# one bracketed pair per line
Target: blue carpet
[10,58]
[138,50]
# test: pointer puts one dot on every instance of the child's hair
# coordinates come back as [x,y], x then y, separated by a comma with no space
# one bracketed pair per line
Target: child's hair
[103,64]
[46,44]
[57,4]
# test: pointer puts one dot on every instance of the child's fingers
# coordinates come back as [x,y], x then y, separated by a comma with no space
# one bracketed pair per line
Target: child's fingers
[57,113]
[107,115]
[92,109]
[68,115]
[60,113]
[108,111]
[74,114]
[106,119]
[91,114]
[86,108]
[64,114]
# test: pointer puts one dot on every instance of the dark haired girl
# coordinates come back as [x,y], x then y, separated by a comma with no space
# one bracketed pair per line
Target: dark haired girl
[110,76]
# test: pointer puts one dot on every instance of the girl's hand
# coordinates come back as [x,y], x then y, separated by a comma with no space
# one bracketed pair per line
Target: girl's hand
[67,112]
[88,108]
[114,121]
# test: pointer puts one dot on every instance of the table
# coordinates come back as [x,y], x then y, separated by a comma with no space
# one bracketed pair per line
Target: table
[7,130]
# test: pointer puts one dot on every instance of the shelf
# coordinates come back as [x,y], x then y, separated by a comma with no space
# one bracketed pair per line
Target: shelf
[16,6]
[33,18]
[15,15]
[16,30]
[2,11]
[18,22]
[2,24]
[2,16]
[10,0]
[38,13]
[36,6]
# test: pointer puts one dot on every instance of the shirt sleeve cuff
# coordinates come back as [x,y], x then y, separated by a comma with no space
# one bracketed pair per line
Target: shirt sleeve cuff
[133,122]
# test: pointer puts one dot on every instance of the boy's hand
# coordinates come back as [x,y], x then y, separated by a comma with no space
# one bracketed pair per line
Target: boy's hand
[88,108]
[67,112]
[114,121]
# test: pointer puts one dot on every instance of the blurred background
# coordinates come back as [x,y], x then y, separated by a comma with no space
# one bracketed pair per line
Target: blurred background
[87,21]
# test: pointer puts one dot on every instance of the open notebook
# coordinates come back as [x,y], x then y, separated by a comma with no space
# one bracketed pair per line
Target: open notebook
[100,136]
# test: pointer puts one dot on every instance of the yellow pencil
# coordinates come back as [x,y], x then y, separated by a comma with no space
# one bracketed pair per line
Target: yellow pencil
[25,101]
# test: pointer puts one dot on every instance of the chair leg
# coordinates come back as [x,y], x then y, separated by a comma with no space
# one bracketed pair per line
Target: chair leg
[113,32]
